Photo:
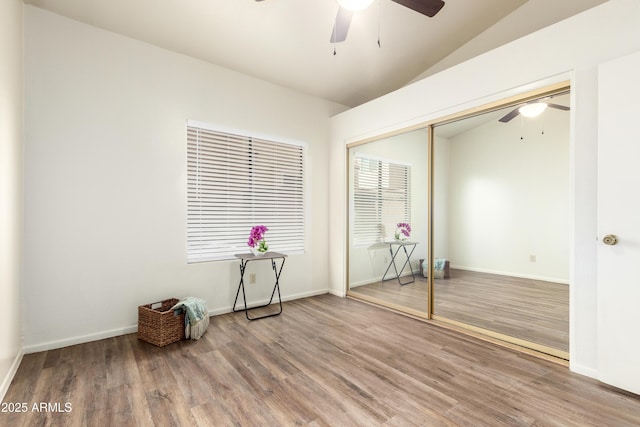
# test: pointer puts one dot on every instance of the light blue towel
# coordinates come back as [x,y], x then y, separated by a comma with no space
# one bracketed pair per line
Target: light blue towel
[196,316]
[438,264]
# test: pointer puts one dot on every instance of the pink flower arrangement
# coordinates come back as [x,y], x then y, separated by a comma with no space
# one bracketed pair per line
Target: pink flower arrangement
[403,228]
[256,237]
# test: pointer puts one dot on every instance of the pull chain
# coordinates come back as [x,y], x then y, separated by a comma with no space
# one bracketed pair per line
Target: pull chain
[379,20]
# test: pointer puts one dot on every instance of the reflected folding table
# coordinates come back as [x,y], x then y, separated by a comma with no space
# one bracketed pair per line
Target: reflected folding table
[400,244]
[244,260]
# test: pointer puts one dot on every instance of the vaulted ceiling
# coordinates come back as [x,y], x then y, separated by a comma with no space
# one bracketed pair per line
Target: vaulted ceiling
[286,42]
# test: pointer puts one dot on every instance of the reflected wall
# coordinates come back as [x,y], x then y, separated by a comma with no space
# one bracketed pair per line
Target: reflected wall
[506,187]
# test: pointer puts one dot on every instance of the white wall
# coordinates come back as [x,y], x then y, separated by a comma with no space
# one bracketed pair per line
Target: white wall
[509,197]
[10,188]
[105,179]
[531,16]
[570,49]
[441,197]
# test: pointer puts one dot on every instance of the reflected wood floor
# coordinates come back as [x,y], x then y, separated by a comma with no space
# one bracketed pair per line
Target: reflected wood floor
[532,310]
[326,361]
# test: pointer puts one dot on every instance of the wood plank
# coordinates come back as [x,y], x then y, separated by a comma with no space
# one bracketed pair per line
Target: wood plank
[325,361]
[527,309]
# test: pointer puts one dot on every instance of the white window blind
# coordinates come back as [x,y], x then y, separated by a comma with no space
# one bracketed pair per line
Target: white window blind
[235,182]
[381,199]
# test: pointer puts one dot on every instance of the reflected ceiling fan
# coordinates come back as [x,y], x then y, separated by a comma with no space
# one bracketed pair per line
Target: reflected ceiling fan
[343,19]
[531,109]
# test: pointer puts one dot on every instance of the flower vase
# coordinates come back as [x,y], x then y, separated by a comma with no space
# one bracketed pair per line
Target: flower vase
[399,235]
[260,249]
[257,252]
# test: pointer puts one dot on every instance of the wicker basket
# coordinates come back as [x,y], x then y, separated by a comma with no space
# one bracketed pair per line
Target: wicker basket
[160,326]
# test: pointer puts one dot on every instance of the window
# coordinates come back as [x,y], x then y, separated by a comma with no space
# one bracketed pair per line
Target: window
[235,182]
[381,198]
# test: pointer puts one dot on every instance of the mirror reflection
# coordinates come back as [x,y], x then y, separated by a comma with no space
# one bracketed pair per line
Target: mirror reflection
[501,223]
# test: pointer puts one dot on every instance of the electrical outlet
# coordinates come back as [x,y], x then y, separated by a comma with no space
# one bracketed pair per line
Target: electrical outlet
[532,258]
[252,278]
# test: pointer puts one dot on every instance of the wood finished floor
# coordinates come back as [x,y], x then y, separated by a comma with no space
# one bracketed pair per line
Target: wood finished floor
[531,310]
[326,361]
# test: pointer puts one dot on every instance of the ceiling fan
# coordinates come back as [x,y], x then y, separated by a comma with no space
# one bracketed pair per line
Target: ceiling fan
[343,19]
[531,109]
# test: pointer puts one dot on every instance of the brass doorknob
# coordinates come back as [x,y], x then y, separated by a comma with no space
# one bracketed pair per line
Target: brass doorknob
[610,239]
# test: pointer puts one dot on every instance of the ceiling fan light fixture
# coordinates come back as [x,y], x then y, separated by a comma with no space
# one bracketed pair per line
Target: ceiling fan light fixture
[533,110]
[355,4]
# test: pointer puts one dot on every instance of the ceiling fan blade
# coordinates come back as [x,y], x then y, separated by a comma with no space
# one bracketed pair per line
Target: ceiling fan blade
[513,113]
[558,106]
[341,27]
[426,7]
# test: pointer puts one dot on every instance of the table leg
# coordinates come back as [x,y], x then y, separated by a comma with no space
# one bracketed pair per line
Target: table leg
[408,261]
[277,272]
[395,268]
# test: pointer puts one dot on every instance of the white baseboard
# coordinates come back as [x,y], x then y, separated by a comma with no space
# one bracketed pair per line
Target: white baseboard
[301,295]
[52,345]
[340,294]
[6,381]
[378,279]
[583,370]
[509,273]
[307,294]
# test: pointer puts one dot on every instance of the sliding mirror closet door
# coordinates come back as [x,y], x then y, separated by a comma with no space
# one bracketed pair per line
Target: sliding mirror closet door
[501,225]
[388,203]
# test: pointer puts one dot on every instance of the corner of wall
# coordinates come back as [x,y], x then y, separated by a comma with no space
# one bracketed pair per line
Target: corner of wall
[11,188]
[6,381]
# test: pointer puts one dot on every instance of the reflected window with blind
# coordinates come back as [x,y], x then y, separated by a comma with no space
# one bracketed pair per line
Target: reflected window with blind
[381,198]
[235,182]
